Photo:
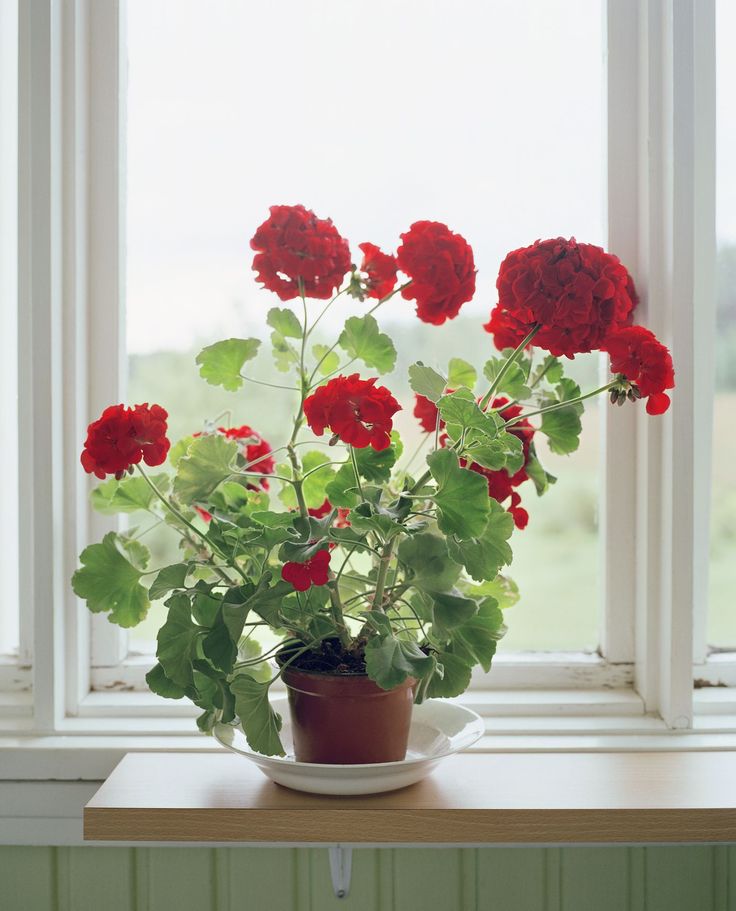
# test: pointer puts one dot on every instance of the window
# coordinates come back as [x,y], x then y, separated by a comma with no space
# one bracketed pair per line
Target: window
[634,176]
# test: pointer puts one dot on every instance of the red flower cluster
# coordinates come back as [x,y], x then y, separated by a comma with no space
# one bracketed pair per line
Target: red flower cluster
[381,271]
[577,294]
[357,411]
[501,485]
[314,571]
[122,436]
[441,268]
[294,244]
[645,362]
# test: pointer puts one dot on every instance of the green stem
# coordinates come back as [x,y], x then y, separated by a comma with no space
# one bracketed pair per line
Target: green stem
[580,398]
[251,379]
[383,566]
[504,370]
[336,609]
[354,460]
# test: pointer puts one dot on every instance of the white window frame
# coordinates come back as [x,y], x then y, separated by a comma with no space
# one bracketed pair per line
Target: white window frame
[660,171]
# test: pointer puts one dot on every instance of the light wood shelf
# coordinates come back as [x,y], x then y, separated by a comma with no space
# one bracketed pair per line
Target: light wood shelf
[475,798]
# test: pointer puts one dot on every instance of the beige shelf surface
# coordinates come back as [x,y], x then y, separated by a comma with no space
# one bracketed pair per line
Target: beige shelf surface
[474,798]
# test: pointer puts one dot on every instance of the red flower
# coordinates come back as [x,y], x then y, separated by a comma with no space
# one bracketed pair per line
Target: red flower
[577,293]
[381,271]
[645,362]
[357,411]
[294,244]
[441,268]
[122,436]
[425,411]
[319,512]
[314,571]
[203,514]
[500,483]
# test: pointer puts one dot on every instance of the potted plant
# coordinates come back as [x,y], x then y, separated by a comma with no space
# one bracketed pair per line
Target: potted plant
[378,575]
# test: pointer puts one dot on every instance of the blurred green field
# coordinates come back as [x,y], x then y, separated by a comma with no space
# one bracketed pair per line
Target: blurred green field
[556,558]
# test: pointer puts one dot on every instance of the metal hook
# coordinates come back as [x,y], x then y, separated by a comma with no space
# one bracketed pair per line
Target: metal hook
[341,860]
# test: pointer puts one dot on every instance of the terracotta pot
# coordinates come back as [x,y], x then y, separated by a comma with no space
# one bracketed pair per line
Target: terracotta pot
[347,719]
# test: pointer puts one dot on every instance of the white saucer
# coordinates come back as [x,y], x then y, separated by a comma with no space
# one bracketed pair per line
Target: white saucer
[438,729]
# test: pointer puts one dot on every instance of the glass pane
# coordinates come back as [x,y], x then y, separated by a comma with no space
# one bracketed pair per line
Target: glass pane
[9,612]
[375,114]
[721,616]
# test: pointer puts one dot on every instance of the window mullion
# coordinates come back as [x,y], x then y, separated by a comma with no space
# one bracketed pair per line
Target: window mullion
[618,497]
[105,256]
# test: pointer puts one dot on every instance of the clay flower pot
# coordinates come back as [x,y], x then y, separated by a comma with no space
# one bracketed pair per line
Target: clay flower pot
[347,719]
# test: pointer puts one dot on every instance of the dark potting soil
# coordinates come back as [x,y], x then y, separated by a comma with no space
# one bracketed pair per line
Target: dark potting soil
[328,658]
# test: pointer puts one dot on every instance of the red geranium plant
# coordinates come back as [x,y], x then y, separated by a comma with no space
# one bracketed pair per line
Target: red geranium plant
[395,571]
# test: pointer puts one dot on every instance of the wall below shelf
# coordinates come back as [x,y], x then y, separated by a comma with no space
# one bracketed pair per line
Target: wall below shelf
[540,798]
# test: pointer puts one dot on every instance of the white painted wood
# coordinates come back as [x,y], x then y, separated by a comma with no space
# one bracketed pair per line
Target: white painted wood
[40,375]
[10,632]
[105,258]
[618,494]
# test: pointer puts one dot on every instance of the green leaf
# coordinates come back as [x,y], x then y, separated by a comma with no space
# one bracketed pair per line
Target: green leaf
[450,610]
[513,384]
[266,602]
[461,373]
[427,556]
[248,649]
[261,725]
[427,382]
[451,678]
[389,661]
[550,369]
[506,451]
[108,581]
[328,360]
[460,410]
[562,429]
[168,578]
[128,495]
[483,555]
[221,363]
[362,339]
[179,450]
[503,589]
[376,466]
[461,497]
[285,322]
[177,641]
[542,479]
[342,489]
[218,646]
[476,639]
[314,486]
[208,463]
[567,389]
[160,684]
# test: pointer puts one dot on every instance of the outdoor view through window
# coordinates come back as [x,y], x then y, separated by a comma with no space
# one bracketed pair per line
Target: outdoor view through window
[374,114]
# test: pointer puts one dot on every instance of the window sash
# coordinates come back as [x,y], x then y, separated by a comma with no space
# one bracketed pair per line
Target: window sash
[72,118]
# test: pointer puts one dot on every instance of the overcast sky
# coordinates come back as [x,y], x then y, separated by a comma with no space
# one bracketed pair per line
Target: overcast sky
[376,113]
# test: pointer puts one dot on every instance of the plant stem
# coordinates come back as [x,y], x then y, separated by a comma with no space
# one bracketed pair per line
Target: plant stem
[383,566]
[354,460]
[337,609]
[504,370]
[580,398]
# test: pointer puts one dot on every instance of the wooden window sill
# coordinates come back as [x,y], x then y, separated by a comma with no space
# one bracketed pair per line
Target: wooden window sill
[509,798]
